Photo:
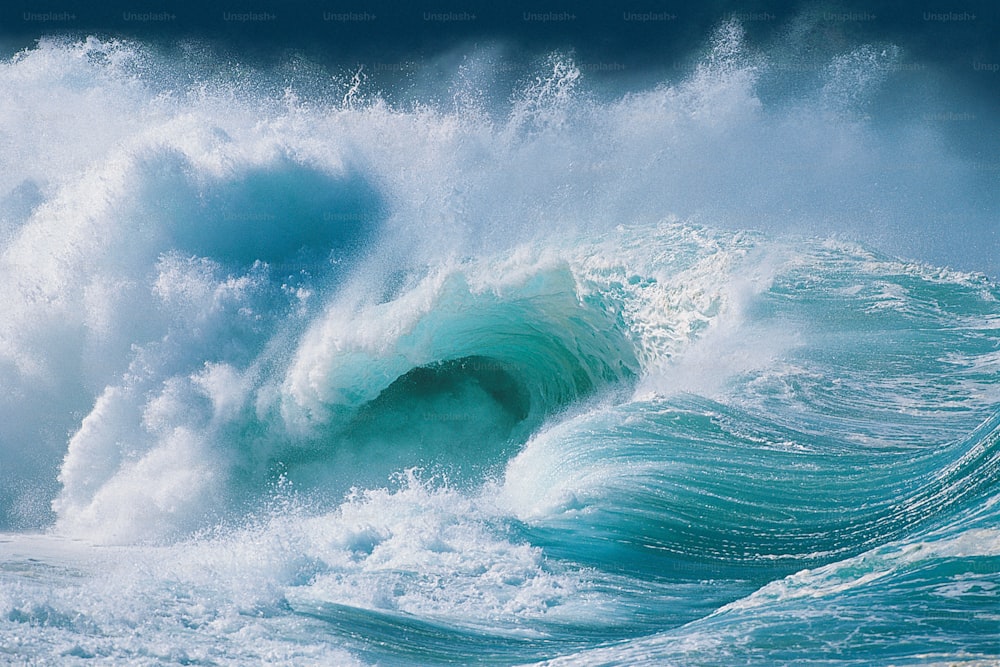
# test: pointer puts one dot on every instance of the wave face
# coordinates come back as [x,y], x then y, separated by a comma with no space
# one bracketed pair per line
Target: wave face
[301,372]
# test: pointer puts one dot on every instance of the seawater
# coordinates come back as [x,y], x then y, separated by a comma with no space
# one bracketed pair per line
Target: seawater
[297,369]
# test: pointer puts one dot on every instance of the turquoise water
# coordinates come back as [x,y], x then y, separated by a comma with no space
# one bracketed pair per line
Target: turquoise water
[298,380]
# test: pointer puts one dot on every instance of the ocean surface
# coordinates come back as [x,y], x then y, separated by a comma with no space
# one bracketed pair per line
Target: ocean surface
[498,357]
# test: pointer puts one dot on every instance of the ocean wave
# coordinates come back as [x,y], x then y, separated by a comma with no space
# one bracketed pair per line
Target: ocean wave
[302,372]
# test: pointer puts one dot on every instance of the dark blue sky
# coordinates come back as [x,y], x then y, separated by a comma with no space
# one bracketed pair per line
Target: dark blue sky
[634,33]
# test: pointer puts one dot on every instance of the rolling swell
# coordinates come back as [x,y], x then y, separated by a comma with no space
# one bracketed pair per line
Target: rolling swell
[690,489]
[742,485]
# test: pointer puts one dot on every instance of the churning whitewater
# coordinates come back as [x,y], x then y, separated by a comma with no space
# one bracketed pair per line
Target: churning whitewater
[301,368]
